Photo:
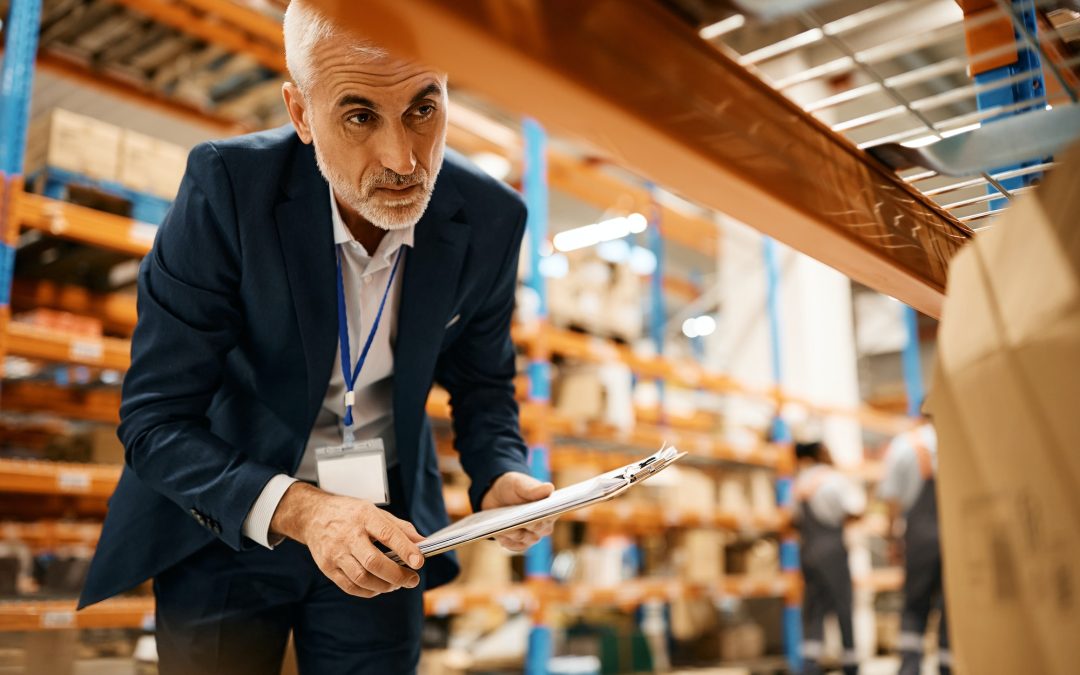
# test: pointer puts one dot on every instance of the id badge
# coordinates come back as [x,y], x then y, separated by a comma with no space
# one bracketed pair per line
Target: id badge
[354,470]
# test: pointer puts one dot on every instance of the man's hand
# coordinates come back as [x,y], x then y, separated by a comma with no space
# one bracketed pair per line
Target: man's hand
[341,533]
[518,488]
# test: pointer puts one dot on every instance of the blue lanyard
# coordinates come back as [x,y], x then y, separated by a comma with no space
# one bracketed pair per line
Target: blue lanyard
[343,335]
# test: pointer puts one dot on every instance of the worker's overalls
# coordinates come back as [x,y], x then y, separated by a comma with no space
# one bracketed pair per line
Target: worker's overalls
[922,573]
[824,560]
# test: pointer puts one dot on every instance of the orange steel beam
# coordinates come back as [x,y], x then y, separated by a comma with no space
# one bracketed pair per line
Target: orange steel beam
[260,26]
[82,224]
[635,81]
[194,22]
[116,310]
[94,405]
[31,342]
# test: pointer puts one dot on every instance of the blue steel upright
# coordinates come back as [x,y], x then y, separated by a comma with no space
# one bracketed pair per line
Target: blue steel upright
[913,379]
[537,558]
[1029,87]
[16,83]
[789,547]
[657,308]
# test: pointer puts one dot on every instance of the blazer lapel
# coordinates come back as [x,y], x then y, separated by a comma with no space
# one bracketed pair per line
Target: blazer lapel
[307,242]
[429,289]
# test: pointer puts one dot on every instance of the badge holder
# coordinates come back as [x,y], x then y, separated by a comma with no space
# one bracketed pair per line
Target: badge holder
[355,470]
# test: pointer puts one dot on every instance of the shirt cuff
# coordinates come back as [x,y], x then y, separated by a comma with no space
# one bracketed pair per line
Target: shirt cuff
[256,525]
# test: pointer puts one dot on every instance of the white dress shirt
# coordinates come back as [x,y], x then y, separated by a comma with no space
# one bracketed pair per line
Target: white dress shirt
[365,278]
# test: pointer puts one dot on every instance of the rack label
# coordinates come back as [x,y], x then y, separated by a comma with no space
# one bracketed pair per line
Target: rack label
[73,481]
[58,619]
[87,350]
[143,233]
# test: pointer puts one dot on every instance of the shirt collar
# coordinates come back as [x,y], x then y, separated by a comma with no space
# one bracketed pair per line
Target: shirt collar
[391,242]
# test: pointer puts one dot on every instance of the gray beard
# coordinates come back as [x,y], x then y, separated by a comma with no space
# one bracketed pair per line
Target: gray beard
[388,218]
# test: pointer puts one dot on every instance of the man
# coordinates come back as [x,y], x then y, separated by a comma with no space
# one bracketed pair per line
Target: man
[908,488]
[303,293]
[826,501]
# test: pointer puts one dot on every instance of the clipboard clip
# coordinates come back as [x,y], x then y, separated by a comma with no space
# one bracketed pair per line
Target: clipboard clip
[658,461]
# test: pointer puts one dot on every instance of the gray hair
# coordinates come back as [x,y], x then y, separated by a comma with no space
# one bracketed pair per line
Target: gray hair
[305,27]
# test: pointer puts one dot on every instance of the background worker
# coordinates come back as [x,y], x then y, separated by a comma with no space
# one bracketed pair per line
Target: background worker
[908,488]
[826,500]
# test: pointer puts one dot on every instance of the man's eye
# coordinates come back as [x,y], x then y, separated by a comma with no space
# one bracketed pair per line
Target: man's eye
[361,118]
[425,110]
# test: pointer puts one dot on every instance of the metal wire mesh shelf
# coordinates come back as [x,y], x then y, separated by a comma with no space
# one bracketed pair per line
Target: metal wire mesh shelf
[901,72]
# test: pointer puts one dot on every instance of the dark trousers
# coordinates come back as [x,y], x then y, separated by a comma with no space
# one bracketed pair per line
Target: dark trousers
[922,592]
[827,591]
[221,612]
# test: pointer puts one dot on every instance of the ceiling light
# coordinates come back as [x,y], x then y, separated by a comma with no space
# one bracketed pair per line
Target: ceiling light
[642,261]
[496,166]
[689,328]
[605,230]
[722,27]
[554,266]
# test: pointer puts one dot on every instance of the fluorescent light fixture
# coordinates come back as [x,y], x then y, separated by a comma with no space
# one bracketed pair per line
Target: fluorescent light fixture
[923,141]
[554,266]
[642,261]
[722,27]
[615,251]
[496,166]
[689,328]
[706,325]
[637,222]
[605,230]
[699,326]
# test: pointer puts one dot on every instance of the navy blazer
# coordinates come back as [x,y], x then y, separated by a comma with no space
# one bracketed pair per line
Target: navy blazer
[237,334]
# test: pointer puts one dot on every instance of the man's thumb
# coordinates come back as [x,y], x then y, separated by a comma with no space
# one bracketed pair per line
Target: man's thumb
[536,491]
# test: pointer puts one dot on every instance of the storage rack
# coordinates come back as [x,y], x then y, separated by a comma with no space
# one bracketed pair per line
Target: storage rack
[240,30]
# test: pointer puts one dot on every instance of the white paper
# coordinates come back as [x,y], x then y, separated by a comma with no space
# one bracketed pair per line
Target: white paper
[495,521]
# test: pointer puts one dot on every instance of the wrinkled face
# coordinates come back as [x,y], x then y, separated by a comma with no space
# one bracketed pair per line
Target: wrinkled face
[379,130]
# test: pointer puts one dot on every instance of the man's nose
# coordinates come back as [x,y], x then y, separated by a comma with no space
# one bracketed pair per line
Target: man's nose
[396,152]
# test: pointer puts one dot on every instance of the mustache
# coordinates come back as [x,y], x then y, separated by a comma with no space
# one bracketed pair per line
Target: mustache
[389,177]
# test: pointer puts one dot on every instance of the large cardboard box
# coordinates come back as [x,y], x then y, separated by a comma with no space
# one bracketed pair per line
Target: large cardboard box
[66,140]
[150,165]
[1007,386]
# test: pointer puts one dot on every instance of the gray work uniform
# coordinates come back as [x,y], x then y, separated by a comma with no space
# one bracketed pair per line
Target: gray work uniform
[922,549]
[823,557]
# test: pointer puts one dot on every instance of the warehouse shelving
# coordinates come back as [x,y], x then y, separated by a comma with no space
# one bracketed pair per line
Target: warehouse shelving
[138,612]
[36,615]
[44,344]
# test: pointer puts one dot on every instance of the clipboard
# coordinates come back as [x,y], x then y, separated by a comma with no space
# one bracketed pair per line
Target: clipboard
[491,522]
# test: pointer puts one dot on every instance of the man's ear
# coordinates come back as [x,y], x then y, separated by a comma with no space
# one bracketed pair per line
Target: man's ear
[297,106]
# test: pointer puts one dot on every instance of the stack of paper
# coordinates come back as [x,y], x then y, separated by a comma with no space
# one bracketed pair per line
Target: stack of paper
[495,521]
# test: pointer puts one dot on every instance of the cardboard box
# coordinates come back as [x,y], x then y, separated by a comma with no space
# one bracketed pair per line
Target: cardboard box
[1004,403]
[150,165]
[76,143]
[700,556]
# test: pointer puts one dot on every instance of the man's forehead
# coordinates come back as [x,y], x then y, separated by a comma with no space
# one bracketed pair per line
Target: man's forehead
[342,68]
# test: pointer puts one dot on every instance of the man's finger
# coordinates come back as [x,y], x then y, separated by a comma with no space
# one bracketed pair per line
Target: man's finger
[353,569]
[345,584]
[387,531]
[381,567]
[410,530]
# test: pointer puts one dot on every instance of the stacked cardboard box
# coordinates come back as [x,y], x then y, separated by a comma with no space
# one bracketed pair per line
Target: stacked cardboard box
[104,152]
